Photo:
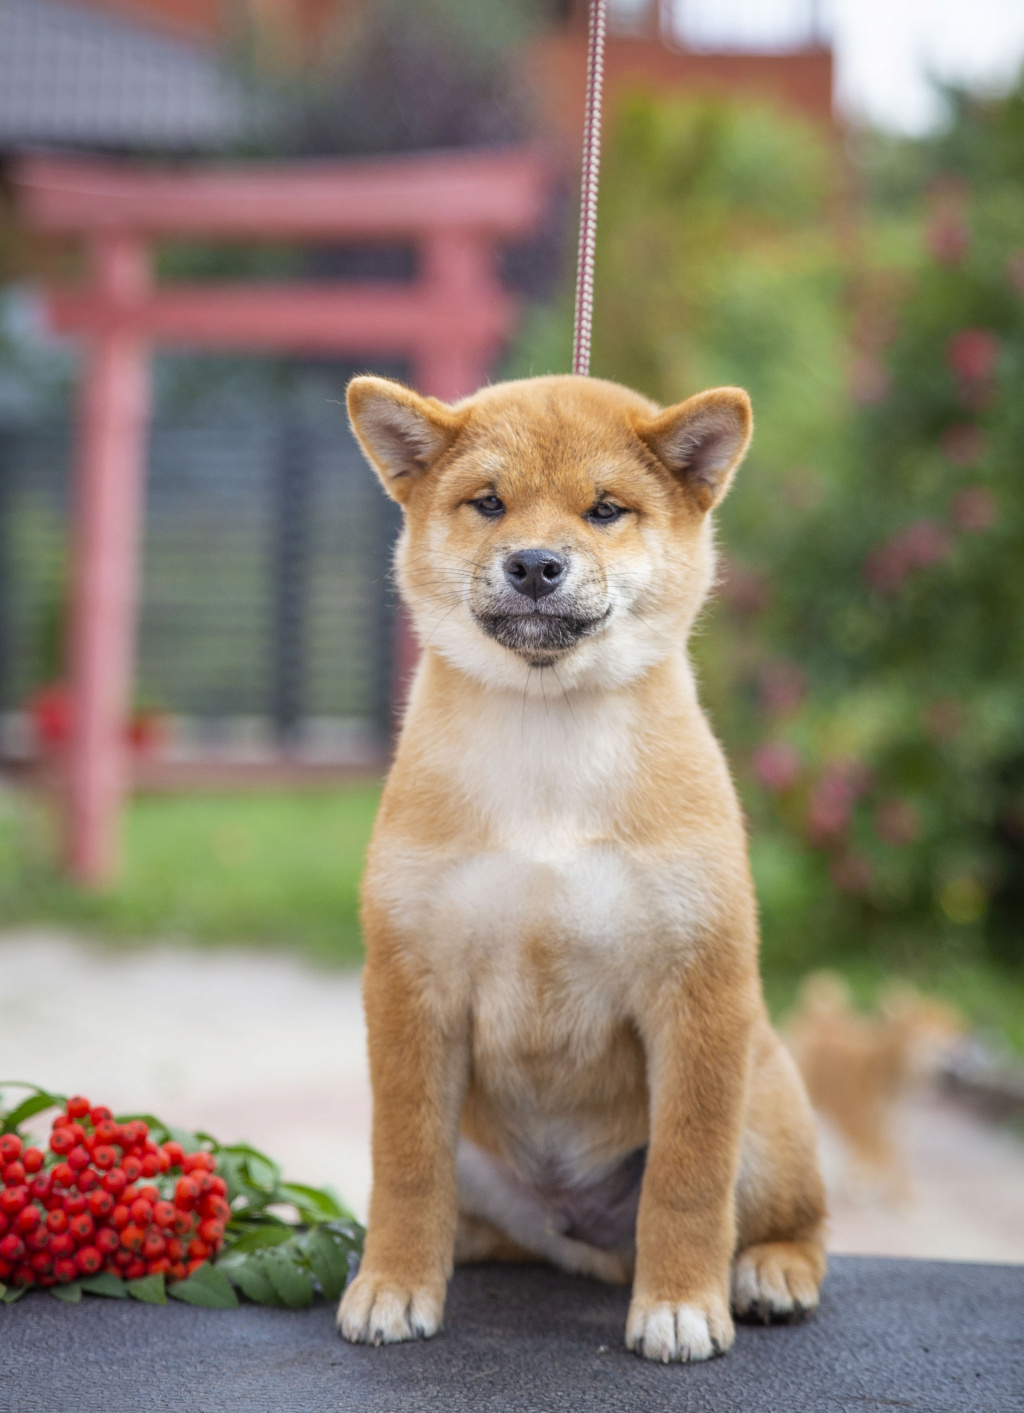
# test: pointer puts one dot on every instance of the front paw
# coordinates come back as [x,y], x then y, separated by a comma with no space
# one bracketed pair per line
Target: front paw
[684,1331]
[379,1310]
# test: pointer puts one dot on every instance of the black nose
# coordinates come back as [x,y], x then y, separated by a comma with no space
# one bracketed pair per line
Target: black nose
[535,572]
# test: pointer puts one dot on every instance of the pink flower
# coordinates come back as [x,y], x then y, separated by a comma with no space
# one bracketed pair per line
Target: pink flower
[972,354]
[776,766]
[947,237]
[781,687]
[964,443]
[925,543]
[832,800]
[897,822]
[974,509]
[869,380]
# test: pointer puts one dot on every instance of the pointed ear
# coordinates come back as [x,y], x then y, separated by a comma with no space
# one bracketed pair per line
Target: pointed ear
[401,433]
[702,441]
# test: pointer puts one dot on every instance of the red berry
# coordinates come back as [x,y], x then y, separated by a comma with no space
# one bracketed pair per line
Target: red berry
[14,1174]
[183,1223]
[175,1153]
[61,1140]
[101,1204]
[78,1158]
[120,1216]
[132,1167]
[12,1248]
[129,1195]
[142,1212]
[38,1239]
[12,1199]
[73,1203]
[132,1237]
[186,1193]
[99,1114]
[63,1175]
[178,1271]
[163,1161]
[150,1165]
[161,1266]
[81,1227]
[149,1192]
[218,1186]
[41,1262]
[175,1249]
[153,1246]
[89,1142]
[65,1271]
[136,1270]
[10,1147]
[193,1265]
[107,1240]
[115,1181]
[5,1269]
[5,1222]
[88,1260]
[26,1220]
[77,1107]
[40,1185]
[212,1206]
[107,1131]
[23,1275]
[203,1178]
[104,1155]
[163,1214]
[33,1159]
[197,1249]
[61,1245]
[57,1220]
[87,1179]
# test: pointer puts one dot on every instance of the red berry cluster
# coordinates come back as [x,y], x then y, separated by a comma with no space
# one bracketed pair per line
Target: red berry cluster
[106,1197]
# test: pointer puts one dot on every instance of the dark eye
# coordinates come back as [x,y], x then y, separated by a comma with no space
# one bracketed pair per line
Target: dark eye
[604,512]
[490,506]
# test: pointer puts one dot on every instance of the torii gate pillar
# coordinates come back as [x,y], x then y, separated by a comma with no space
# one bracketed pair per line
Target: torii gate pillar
[449,323]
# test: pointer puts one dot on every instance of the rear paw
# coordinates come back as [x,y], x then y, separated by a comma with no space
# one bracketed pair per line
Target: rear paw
[374,1310]
[777,1280]
[683,1332]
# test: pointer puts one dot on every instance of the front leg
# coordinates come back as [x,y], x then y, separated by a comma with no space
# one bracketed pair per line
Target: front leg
[697,1034]
[418,1066]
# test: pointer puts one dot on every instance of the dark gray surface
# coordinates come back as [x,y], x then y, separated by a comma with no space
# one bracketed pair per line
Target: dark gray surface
[930,1336]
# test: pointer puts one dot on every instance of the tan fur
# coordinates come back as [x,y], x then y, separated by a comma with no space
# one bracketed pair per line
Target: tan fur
[560,921]
[857,1067]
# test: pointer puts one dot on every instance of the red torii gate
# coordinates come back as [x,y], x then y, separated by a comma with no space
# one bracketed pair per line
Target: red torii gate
[449,323]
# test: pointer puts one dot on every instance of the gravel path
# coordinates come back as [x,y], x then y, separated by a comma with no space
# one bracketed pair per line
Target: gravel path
[260,1047]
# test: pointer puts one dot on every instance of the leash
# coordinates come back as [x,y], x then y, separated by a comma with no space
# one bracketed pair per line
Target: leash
[583,320]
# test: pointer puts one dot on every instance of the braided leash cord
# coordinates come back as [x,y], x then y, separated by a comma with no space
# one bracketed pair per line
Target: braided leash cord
[588,192]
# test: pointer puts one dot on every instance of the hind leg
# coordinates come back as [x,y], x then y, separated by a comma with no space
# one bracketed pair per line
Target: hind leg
[780,1198]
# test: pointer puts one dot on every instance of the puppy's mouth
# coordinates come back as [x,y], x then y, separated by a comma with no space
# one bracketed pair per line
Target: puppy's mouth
[539,636]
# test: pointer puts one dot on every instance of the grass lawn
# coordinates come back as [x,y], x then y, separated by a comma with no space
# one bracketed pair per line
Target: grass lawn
[278,869]
[282,870]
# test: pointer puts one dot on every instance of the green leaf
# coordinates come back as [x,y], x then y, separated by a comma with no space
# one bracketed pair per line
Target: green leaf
[106,1283]
[315,1203]
[248,1274]
[292,1281]
[206,1286]
[12,1294]
[273,1233]
[28,1108]
[3,1290]
[148,1289]
[328,1261]
[70,1293]
[189,1141]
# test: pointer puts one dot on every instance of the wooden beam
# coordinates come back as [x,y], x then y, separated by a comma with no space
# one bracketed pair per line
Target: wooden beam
[498,192]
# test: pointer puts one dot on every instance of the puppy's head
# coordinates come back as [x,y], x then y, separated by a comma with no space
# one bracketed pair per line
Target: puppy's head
[555,523]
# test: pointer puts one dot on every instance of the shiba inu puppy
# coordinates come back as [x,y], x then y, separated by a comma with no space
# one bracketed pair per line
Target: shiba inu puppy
[569,1050]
